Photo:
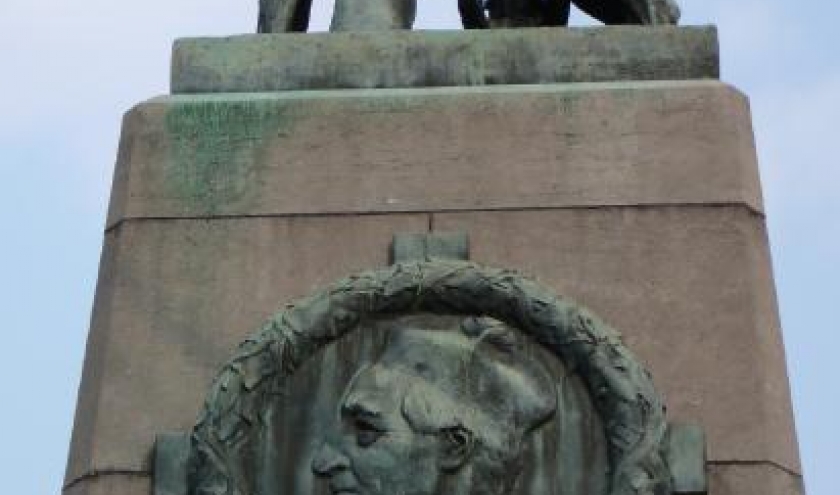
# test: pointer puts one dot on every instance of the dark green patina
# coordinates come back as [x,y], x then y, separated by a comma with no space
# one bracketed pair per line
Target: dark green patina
[215,147]
[621,389]
[370,15]
[423,59]
[426,247]
[172,452]
[686,456]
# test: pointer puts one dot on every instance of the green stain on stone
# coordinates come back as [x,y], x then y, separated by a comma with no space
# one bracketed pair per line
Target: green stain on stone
[215,148]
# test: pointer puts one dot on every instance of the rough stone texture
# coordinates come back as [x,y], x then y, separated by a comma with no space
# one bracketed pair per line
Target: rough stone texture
[477,148]
[182,293]
[112,484]
[397,59]
[687,286]
[175,298]
[640,200]
[753,479]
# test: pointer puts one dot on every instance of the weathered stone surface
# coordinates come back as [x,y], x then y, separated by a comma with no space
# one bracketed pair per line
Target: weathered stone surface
[640,200]
[403,59]
[753,479]
[687,286]
[174,299]
[505,147]
[112,484]
[690,289]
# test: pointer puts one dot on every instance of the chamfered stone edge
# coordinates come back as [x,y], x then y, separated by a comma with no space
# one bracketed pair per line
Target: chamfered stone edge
[490,148]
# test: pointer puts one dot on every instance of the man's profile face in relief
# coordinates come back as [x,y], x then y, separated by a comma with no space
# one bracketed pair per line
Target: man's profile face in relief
[444,409]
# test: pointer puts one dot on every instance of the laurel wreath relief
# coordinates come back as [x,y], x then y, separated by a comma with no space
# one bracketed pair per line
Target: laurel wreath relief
[621,390]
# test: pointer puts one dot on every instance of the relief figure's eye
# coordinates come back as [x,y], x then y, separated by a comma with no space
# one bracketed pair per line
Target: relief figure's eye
[366,433]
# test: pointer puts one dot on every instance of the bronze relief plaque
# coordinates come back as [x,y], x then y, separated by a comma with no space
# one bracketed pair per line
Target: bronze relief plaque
[426,378]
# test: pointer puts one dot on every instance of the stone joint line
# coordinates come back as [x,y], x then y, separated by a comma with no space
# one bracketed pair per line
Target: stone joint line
[722,204]
[742,463]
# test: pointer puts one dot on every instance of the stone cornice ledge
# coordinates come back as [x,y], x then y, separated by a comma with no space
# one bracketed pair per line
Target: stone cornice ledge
[412,59]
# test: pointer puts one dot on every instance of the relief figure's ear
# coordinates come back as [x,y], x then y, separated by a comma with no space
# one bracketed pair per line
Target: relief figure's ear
[456,447]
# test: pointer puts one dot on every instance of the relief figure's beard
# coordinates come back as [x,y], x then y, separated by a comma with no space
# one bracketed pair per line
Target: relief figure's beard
[465,482]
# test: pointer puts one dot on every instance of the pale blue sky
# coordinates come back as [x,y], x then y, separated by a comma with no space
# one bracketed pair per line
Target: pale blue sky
[70,69]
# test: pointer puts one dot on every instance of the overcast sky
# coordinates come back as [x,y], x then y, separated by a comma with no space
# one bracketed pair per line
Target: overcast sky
[70,69]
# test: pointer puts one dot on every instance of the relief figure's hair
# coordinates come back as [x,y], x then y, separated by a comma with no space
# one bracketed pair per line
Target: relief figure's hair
[479,378]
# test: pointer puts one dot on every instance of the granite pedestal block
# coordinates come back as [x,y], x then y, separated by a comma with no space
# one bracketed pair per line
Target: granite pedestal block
[639,199]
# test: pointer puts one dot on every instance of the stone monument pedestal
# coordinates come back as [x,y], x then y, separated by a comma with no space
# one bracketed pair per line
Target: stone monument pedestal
[626,182]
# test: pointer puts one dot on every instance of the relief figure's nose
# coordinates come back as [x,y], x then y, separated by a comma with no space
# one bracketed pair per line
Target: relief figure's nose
[328,460]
